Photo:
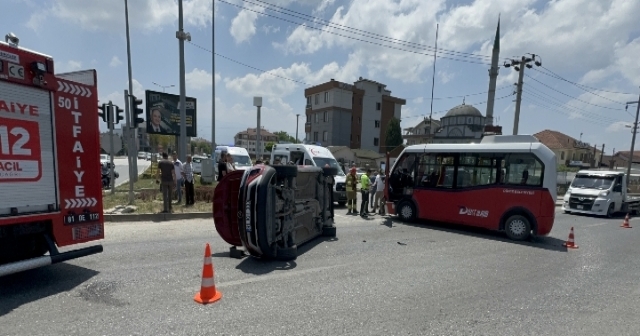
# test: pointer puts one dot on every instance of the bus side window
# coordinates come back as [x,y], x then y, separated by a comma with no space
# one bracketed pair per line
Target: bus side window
[524,169]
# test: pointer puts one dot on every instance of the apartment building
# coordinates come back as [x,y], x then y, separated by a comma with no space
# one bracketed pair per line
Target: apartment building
[353,115]
[247,139]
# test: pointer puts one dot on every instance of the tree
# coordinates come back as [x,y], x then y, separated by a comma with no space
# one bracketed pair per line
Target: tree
[284,137]
[393,137]
[269,146]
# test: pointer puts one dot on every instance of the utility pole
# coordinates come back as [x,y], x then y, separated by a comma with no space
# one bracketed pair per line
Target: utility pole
[181,36]
[257,102]
[601,156]
[132,158]
[112,150]
[297,118]
[634,130]
[213,86]
[519,66]
[593,161]
[127,113]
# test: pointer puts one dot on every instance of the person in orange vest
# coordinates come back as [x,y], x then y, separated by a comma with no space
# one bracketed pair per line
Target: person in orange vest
[351,186]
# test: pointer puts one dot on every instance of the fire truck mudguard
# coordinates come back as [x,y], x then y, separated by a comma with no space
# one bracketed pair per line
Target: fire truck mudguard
[283,207]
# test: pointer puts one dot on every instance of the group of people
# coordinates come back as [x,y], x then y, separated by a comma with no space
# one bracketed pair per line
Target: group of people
[368,187]
[174,175]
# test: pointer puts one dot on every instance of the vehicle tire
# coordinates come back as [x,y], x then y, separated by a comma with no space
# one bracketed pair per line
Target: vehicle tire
[342,203]
[330,171]
[611,210]
[329,231]
[406,211]
[286,171]
[517,227]
[287,254]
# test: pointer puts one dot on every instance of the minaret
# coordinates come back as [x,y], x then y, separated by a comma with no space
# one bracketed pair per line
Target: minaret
[493,75]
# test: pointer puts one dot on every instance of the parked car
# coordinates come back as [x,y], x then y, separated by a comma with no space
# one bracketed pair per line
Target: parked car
[271,210]
[197,163]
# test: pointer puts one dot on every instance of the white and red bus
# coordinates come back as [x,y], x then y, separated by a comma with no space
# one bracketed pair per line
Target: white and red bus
[504,183]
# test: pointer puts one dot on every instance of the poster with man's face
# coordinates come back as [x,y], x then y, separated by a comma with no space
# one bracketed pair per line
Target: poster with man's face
[163,114]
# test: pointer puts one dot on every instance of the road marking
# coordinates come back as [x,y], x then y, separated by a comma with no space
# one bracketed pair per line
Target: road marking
[598,224]
[284,274]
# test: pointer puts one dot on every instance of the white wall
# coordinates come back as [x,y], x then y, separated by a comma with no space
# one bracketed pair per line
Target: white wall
[369,115]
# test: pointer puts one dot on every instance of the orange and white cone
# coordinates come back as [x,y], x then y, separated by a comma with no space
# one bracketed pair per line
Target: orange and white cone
[208,292]
[570,243]
[625,224]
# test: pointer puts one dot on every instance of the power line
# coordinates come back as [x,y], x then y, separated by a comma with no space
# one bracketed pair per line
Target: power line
[575,110]
[310,18]
[307,84]
[576,98]
[350,37]
[568,114]
[582,86]
[479,103]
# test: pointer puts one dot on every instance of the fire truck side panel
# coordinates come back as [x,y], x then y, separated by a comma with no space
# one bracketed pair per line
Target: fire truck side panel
[27,167]
[77,140]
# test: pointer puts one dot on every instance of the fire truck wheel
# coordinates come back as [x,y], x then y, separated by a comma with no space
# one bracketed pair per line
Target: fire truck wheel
[406,211]
[517,227]
[286,171]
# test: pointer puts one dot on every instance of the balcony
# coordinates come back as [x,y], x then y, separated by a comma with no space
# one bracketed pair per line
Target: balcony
[307,127]
[308,107]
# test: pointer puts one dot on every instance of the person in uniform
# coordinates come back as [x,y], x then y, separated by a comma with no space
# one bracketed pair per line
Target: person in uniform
[351,185]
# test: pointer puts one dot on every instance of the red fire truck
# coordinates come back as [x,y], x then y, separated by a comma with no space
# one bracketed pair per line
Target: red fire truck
[50,187]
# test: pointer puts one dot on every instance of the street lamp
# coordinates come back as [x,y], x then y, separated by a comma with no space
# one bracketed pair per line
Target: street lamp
[163,86]
[257,102]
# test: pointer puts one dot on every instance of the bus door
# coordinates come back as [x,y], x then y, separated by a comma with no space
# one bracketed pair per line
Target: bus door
[477,175]
[433,191]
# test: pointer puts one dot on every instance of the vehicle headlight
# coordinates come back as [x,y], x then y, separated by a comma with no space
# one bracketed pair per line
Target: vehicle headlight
[604,193]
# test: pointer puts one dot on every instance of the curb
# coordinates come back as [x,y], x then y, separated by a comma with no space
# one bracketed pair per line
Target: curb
[159,217]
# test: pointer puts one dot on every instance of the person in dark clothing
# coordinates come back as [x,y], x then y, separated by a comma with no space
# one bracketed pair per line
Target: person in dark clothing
[167,179]
[222,166]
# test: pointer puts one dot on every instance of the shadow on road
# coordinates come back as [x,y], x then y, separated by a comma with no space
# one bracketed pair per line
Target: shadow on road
[33,285]
[257,266]
[545,243]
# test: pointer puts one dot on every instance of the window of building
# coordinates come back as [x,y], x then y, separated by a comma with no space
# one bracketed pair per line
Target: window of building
[377,123]
[325,136]
[325,116]
[317,99]
[315,116]
[315,136]
[376,142]
[358,120]
[379,88]
[561,155]
[378,106]
[308,136]
[357,138]
[309,101]
[326,97]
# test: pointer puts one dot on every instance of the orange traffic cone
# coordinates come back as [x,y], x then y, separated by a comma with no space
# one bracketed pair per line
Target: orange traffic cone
[570,243]
[625,224]
[208,292]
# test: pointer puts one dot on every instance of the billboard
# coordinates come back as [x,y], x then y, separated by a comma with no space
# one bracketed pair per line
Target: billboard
[163,114]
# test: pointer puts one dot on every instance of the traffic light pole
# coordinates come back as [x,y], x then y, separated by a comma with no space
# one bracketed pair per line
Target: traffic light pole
[127,113]
[111,116]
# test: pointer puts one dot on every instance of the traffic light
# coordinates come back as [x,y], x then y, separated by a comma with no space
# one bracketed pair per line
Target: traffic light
[119,115]
[103,112]
[137,111]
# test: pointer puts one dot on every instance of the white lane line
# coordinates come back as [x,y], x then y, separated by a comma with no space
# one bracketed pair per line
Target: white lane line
[597,224]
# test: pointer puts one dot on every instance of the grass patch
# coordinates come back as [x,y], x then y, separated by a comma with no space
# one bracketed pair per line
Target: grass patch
[148,198]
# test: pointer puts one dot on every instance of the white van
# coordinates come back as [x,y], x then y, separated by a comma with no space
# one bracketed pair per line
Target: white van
[197,163]
[241,158]
[310,155]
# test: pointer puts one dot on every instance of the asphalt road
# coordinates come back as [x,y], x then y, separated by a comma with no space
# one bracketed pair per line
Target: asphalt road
[122,167]
[379,277]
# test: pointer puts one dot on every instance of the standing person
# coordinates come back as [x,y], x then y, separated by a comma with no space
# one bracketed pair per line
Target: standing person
[187,174]
[372,190]
[230,166]
[180,181]
[166,177]
[222,166]
[351,186]
[378,187]
[365,183]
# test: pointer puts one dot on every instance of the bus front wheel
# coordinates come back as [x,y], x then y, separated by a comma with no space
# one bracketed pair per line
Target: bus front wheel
[406,211]
[517,227]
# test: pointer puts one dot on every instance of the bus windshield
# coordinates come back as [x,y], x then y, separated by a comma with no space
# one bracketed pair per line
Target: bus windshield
[321,162]
[592,182]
